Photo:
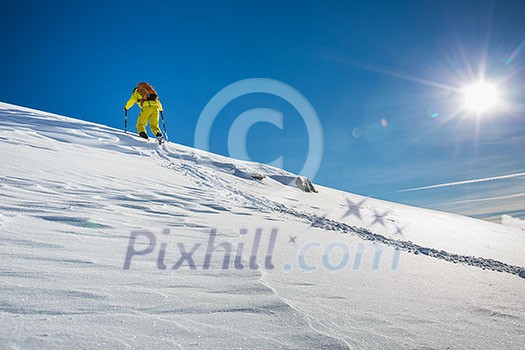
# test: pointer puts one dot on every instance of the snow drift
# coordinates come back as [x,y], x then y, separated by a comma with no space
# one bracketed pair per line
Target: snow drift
[109,241]
[508,220]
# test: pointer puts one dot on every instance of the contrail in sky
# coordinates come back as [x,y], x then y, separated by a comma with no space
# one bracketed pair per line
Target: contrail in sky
[516,195]
[466,182]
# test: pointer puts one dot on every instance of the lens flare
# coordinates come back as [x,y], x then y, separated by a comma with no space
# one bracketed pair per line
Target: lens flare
[357,132]
[481,97]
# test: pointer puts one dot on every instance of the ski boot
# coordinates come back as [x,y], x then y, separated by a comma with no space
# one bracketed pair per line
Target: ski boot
[160,138]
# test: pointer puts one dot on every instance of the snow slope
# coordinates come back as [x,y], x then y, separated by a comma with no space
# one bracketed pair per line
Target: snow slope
[348,272]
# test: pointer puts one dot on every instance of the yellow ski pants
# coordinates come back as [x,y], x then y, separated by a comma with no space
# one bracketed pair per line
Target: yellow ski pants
[150,112]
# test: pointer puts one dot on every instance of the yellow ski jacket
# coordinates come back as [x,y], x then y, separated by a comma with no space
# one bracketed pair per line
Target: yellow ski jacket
[136,98]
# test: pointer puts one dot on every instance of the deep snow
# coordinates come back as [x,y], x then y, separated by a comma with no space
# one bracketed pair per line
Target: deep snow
[73,193]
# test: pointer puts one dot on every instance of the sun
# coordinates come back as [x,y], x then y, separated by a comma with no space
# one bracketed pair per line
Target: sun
[481,97]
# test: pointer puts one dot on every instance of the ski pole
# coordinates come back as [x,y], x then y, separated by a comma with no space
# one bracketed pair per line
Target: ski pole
[164,125]
[125,121]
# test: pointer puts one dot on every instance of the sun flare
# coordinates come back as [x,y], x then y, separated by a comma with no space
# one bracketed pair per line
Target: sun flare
[481,97]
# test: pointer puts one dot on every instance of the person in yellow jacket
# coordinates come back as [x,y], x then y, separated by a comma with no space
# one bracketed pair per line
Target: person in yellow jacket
[150,107]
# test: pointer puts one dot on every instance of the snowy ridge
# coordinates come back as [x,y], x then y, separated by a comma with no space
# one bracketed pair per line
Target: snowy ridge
[73,192]
[363,233]
[208,179]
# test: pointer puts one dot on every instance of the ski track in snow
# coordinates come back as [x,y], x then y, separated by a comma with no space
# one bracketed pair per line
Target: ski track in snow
[206,178]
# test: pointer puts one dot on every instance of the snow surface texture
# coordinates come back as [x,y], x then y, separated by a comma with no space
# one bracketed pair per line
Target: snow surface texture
[348,271]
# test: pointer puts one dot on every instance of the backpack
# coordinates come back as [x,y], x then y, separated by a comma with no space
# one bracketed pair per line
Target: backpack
[147,92]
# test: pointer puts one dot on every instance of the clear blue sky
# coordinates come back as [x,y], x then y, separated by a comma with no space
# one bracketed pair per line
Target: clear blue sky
[357,62]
